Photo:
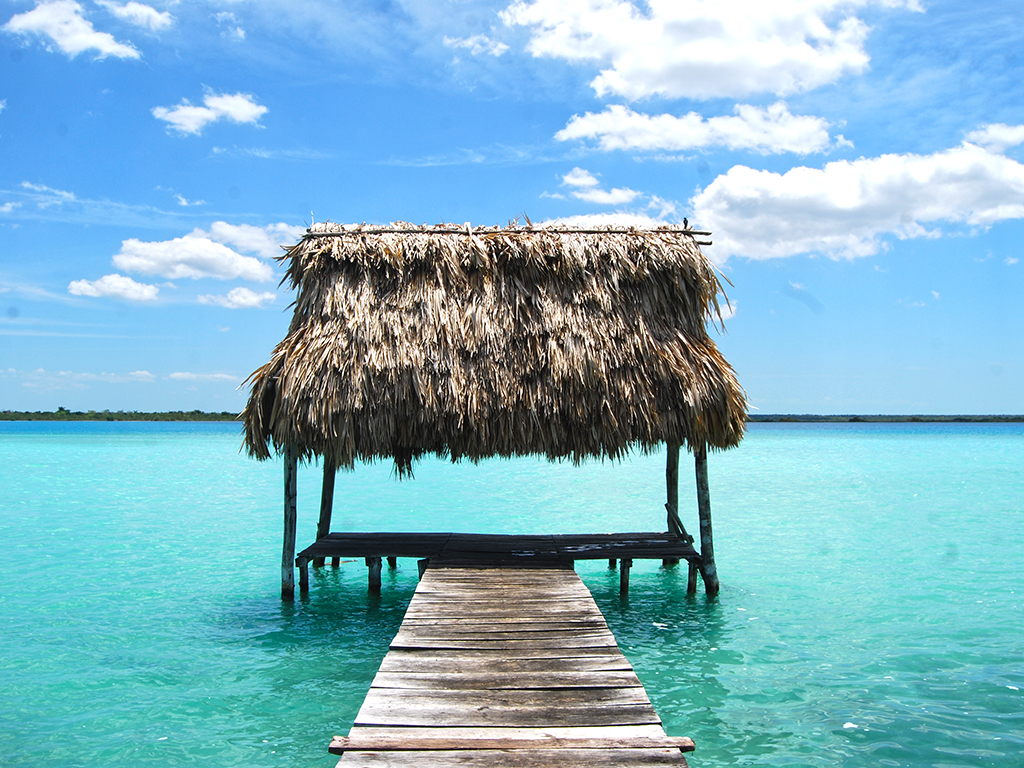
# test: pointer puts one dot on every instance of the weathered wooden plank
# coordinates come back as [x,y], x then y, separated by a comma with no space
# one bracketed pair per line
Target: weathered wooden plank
[495,680]
[495,633]
[517,758]
[603,732]
[523,632]
[440,643]
[470,662]
[459,623]
[358,742]
[392,710]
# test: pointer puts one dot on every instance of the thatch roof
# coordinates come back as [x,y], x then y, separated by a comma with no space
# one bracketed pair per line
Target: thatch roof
[568,343]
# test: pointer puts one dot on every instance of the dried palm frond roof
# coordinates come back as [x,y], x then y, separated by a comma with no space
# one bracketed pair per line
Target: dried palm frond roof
[490,341]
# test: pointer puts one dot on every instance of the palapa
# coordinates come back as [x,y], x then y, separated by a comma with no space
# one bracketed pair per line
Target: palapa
[488,341]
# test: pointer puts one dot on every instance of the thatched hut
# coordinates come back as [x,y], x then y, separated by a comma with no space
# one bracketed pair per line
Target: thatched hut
[477,342]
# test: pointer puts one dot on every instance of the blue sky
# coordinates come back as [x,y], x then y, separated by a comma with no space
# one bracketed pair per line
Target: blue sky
[860,164]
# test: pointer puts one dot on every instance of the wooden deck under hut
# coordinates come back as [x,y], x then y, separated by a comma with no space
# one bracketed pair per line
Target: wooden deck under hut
[474,342]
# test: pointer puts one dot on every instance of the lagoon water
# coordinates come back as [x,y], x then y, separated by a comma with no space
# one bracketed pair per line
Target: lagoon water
[871,611]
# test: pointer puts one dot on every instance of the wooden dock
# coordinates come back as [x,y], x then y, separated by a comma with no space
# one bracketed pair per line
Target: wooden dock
[506,666]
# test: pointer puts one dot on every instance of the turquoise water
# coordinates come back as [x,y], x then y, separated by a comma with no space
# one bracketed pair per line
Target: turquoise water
[871,611]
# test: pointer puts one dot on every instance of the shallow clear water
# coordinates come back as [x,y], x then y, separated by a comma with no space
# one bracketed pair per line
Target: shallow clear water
[871,611]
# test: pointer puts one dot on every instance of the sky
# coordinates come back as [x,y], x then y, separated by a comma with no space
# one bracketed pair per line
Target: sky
[859,163]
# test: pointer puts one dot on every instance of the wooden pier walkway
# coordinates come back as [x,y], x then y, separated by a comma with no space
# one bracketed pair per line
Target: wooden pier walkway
[506,667]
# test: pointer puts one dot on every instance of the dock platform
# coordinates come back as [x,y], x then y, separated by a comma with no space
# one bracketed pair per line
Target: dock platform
[505,666]
[552,551]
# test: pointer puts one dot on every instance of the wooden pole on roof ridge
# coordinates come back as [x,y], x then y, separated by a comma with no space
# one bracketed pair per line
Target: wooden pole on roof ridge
[707,544]
[323,527]
[291,465]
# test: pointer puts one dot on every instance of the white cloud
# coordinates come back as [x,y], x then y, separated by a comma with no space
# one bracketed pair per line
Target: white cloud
[844,208]
[193,255]
[763,129]
[115,286]
[1010,260]
[588,190]
[618,218]
[48,195]
[231,28]
[263,241]
[3,104]
[240,298]
[9,206]
[138,14]
[41,378]
[187,118]
[727,309]
[617,196]
[186,376]
[701,48]
[477,44]
[578,177]
[997,137]
[185,202]
[61,21]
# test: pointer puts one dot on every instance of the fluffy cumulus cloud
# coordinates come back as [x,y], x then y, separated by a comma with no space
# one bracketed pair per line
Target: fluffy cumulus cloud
[477,44]
[264,241]
[61,23]
[701,49]
[115,286]
[187,118]
[766,130]
[189,256]
[140,15]
[997,137]
[586,187]
[844,209]
[213,253]
[240,298]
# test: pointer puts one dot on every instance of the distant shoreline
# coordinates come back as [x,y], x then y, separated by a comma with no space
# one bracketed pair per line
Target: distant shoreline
[757,418]
[62,414]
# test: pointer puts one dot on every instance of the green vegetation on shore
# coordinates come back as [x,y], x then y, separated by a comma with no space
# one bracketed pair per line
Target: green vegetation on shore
[63,414]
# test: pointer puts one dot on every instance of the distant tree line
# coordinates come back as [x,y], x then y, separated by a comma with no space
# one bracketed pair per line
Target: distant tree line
[63,414]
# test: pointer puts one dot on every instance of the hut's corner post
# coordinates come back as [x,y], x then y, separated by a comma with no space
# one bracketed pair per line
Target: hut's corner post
[323,527]
[707,545]
[291,466]
[671,492]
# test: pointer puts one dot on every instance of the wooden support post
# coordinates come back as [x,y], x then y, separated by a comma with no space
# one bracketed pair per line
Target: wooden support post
[392,562]
[421,565]
[373,563]
[291,466]
[611,563]
[335,562]
[323,527]
[624,567]
[303,566]
[672,494]
[672,480]
[707,544]
[691,580]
